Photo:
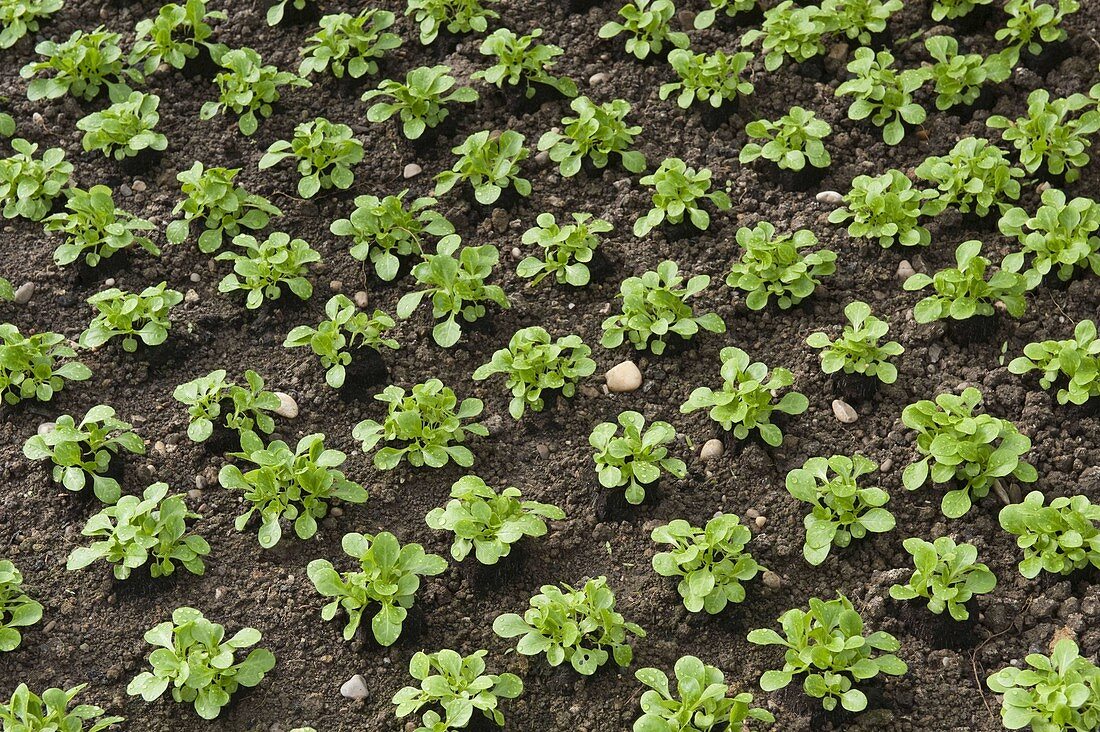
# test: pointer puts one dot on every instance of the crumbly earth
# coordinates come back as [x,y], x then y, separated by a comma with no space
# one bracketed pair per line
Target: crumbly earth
[93,626]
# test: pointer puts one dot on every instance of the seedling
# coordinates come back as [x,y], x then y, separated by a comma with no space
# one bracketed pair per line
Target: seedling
[276,12]
[789,31]
[488,523]
[859,20]
[352,44]
[746,400]
[225,208]
[1031,23]
[29,185]
[263,267]
[959,77]
[292,484]
[456,286]
[1052,134]
[135,530]
[886,208]
[325,152]
[95,229]
[420,102]
[31,366]
[597,132]
[1059,538]
[133,316]
[28,711]
[679,190]
[7,125]
[17,610]
[950,9]
[20,17]
[82,452]
[578,625]
[636,457]
[345,329]
[976,176]
[567,249]
[711,562]
[212,400]
[385,229]
[646,25]
[655,305]
[519,59]
[947,574]
[428,424]
[702,701]
[193,657]
[458,685]
[125,128]
[389,578]
[457,16]
[1056,693]
[792,141]
[858,349]
[533,362]
[1063,236]
[247,87]
[829,645]
[716,79]
[773,265]
[957,445]
[883,94]
[81,65]
[7,292]
[730,8]
[489,162]
[1074,364]
[173,36]
[963,291]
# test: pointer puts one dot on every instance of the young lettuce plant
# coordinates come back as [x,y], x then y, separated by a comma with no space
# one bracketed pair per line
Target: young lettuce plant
[883,94]
[36,366]
[28,711]
[1063,236]
[1031,23]
[385,229]
[1052,135]
[567,249]
[489,162]
[325,152]
[277,10]
[81,65]
[428,424]
[678,191]
[746,400]
[1073,363]
[533,363]
[886,208]
[792,141]
[17,610]
[29,185]
[459,686]
[646,25]
[858,349]
[730,8]
[420,102]
[135,530]
[958,77]
[1056,693]
[223,207]
[831,647]
[209,397]
[344,330]
[95,229]
[947,574]
[842,510]
[655,305]
[859,20]
[457,16]
[958,445]
[951,9]
[292,484]
[776,266]
[247,87]
[702,702]
[976,176]
[173,36]
[488,523]
[789,31]
[711,562]
[578,625]
[20,17]
[82,451]
[716,79]
[963,291]
[351,44]
[7,125]
[1059,538]
[635,458]
[519,59]
[124,129]
[195,660]
[597,132]
[456,286]
[388,578]
[262,268]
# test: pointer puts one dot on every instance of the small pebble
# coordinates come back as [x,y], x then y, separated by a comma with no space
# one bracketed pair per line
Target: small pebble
[412,170]
[830,197]
[191,296]
[196,277]
[336,286]
[905,270]
[24,294]
[844,411]
[354,688]
[544,451]
[761,521]
[361,299]
[772,580]
[45,428]
[287,406]
[139,186]
[516,253]
[712,450]
[597,79]
[623,377]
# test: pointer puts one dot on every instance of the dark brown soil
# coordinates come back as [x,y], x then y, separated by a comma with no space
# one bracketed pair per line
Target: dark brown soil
[92,628]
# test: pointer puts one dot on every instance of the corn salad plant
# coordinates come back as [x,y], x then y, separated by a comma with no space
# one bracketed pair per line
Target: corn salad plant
[963,291]
[173,36]
[775,266]
[344,330]
[883,94]
[36,366]
[646,26]
[95,229]
[791,142]
[351,44]
[975,177]
[566,249]
[858,349]
[325,154]
[29,185]
[224,208]
[951,9]
[81,65]
[886,208]
[859,20]
[1060,537]
[420,102]
[247,87]
[28,711]
[262,268]
[1031,23]
[716,79]
[679,191]
[20,17]
[1073,364]
[212,400]
[456,16]
[17,610]
[520,60]
[635,458]
[489,162]
[1054,135]
[1062,237]
[459,686]
[706,17]
[597,132]
[958,78]
[702,701]
[124,129]
[1056,692]
[277,11]
[791,32]
[946,574]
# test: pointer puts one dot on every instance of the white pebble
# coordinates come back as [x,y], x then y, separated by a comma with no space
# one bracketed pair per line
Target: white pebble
[712,450]
[597,79]
[830,197]
[412,170]
[844,411]
[355,688]
[623,377]
[905,270]
[287,406]
[24,294]
[361,299]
